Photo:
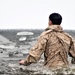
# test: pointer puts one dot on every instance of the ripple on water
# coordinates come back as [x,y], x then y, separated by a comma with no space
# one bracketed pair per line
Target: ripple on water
[39,69]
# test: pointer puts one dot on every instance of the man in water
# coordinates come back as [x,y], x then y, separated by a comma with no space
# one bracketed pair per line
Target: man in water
[54,43]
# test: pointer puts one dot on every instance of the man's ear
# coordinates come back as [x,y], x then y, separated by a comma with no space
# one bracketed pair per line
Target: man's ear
[50,23]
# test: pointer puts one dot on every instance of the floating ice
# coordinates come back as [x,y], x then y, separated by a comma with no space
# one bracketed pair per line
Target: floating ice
[4,40]
[22,39]
[25,33]
[7,47]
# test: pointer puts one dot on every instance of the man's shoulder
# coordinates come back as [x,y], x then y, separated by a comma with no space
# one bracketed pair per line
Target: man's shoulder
[45,32]
[67,34]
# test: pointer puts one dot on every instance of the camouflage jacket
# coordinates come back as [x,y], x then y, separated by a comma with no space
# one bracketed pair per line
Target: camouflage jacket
[56,46]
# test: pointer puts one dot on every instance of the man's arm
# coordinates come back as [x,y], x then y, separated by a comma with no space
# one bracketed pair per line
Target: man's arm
[72,52]
[36,51]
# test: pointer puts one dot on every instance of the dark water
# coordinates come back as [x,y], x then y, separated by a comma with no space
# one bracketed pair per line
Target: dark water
[10,57]
[11,34]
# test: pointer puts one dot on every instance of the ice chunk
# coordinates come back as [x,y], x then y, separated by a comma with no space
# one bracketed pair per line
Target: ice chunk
[22,39]
[25,33]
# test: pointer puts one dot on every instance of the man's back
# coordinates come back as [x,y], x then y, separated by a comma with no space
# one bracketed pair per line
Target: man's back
[57,48]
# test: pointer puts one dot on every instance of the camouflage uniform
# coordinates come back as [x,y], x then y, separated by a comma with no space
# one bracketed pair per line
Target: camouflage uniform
[55,44]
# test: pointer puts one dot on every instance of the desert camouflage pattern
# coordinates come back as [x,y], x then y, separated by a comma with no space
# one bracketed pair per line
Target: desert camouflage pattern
[56,46]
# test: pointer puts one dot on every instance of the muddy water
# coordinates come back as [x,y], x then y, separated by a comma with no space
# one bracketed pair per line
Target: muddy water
[11,67]
[12,52]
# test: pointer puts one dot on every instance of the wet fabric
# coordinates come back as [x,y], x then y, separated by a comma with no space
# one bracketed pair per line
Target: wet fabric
[56,46]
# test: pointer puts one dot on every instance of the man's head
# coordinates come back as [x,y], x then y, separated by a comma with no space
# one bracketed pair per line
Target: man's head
[55,19]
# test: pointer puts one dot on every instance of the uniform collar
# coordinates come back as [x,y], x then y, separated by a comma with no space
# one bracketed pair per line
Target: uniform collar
[54,27]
